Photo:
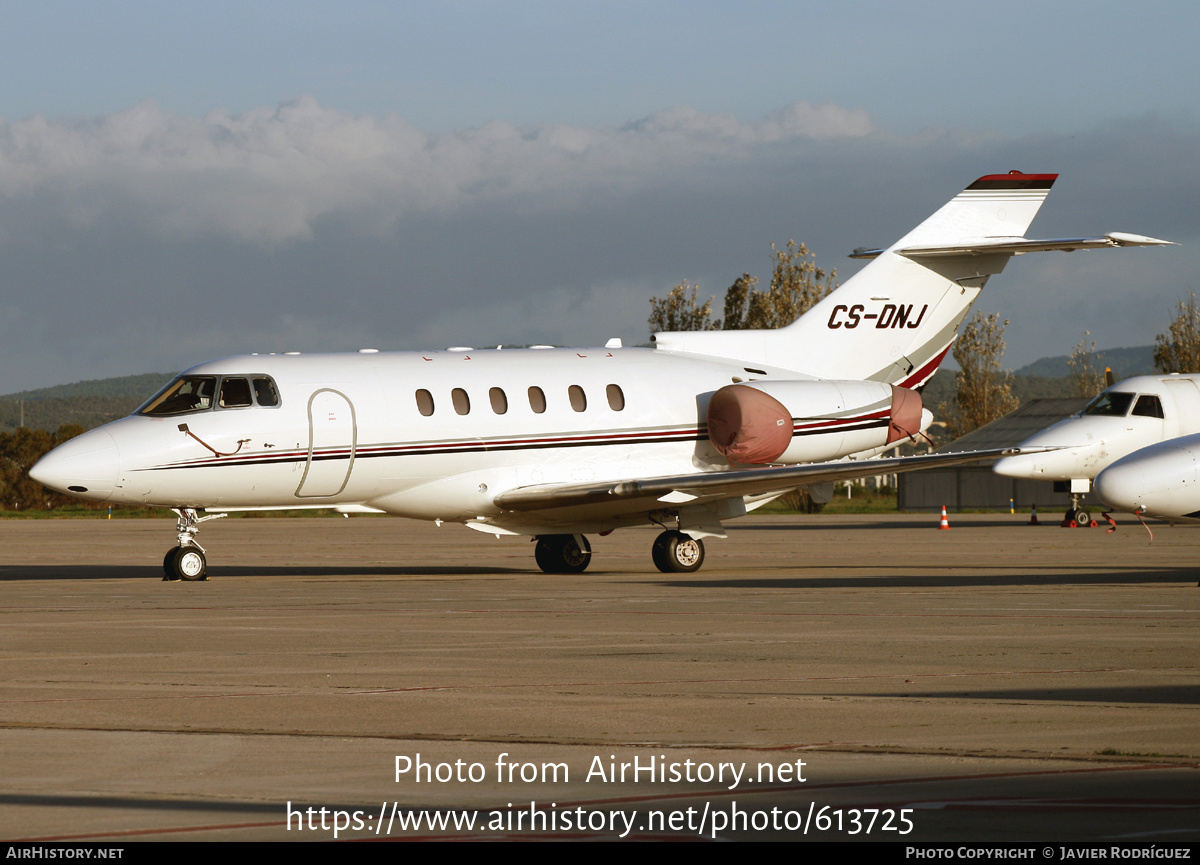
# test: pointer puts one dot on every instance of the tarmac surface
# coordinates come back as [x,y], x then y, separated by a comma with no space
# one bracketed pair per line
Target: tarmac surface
[994,682]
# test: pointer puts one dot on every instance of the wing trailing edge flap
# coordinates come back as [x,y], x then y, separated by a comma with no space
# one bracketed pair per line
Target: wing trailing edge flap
[693,490]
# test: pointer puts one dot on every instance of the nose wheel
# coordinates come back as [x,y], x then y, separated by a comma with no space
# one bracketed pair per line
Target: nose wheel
[677,553]
[187,561]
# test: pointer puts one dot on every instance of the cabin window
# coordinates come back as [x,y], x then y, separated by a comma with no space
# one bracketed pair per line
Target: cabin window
[265,392]
[1148,405]
[424,402]
[462,402]
[1110,404]
[499,400]
[184,394]
[616,398]
[235,393]
[537,400]
[578,397]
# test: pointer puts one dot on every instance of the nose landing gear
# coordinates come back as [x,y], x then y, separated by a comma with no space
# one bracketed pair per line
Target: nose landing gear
[187,561]
[1076,517]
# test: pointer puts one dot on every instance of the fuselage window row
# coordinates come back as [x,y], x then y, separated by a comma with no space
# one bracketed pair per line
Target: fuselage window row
[499,399]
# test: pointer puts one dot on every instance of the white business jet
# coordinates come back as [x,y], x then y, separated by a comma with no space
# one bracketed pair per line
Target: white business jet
[560,442]
[1157,481]
[1127,416]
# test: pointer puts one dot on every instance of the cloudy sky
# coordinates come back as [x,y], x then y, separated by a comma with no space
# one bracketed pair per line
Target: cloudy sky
[184,181]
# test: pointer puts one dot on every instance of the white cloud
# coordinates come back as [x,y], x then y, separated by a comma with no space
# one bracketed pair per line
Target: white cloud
[269,175]
[149,240]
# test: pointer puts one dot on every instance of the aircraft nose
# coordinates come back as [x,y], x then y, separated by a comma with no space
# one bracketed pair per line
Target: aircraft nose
[1121,486]
[1159,479]
[1019,466]
[87,466]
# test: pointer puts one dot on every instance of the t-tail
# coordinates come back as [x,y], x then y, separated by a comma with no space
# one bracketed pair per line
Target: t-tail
[895,319]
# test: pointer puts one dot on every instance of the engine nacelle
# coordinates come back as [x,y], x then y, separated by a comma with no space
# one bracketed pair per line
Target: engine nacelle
[808,421]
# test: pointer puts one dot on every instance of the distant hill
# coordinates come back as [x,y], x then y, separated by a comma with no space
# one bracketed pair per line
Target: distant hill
[87,403]
[123,386]
[1125,362]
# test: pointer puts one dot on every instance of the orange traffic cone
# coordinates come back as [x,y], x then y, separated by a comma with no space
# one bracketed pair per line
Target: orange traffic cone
[945,522]
[1033,516]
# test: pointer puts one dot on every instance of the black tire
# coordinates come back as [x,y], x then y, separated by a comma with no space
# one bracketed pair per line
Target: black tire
[169,574]
[1083,518]
[677,553]
[187,563]
[562,554]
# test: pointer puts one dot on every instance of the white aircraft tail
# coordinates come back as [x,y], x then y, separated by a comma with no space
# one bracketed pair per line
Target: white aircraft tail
[894,321]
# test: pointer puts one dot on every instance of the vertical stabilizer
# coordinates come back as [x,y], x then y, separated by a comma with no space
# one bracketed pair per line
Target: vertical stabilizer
[895,319]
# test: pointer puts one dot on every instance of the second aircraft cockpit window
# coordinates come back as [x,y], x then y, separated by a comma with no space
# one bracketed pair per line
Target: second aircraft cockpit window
[195,393]
[1110,403]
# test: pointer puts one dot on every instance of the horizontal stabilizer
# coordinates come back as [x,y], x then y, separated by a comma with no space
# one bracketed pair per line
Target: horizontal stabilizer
[1018,245]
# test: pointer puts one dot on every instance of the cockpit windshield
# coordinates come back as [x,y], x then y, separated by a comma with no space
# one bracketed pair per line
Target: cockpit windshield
[1110,404]
[195,393]
[184,394]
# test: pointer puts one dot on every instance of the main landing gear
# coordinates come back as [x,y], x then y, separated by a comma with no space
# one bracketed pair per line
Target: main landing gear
[673,553]
[563,554]
[677,553]
[187,561]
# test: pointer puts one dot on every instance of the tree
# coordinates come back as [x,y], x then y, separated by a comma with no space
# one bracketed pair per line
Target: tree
[1086,378]
[984,390]
[680,311]
[19,450]
[797,284]
[1178,350]
[736,299]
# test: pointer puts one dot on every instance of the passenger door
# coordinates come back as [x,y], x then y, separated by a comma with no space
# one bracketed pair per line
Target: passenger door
[332,440]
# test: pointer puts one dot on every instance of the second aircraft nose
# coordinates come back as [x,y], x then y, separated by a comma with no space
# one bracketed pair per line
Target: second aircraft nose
[87,466]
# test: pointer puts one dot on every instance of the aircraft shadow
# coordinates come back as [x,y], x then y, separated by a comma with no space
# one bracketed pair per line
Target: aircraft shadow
[121,572]
[1181,695]
[1017,577]
[137,803]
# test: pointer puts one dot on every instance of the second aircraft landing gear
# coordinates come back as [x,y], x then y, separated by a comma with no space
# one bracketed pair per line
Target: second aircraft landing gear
[677,553]
[563,554]
[1076,517]
[187,561]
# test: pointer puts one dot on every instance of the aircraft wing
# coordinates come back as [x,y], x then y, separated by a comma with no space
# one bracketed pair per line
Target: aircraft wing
[679,489]
[1019,245]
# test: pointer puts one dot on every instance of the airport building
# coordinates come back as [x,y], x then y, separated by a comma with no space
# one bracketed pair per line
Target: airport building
[977,487]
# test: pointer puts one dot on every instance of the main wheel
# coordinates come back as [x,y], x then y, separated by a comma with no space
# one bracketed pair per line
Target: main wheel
[562,554]
[677,553]
[1083,518]
[186,563]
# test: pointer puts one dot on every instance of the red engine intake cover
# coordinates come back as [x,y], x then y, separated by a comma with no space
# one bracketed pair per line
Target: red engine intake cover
[746,425]
[906,414]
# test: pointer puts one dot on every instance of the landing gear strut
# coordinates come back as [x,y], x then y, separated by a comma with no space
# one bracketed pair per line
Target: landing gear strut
[677,553]
[563,554]
[187,561]
[1076,517]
